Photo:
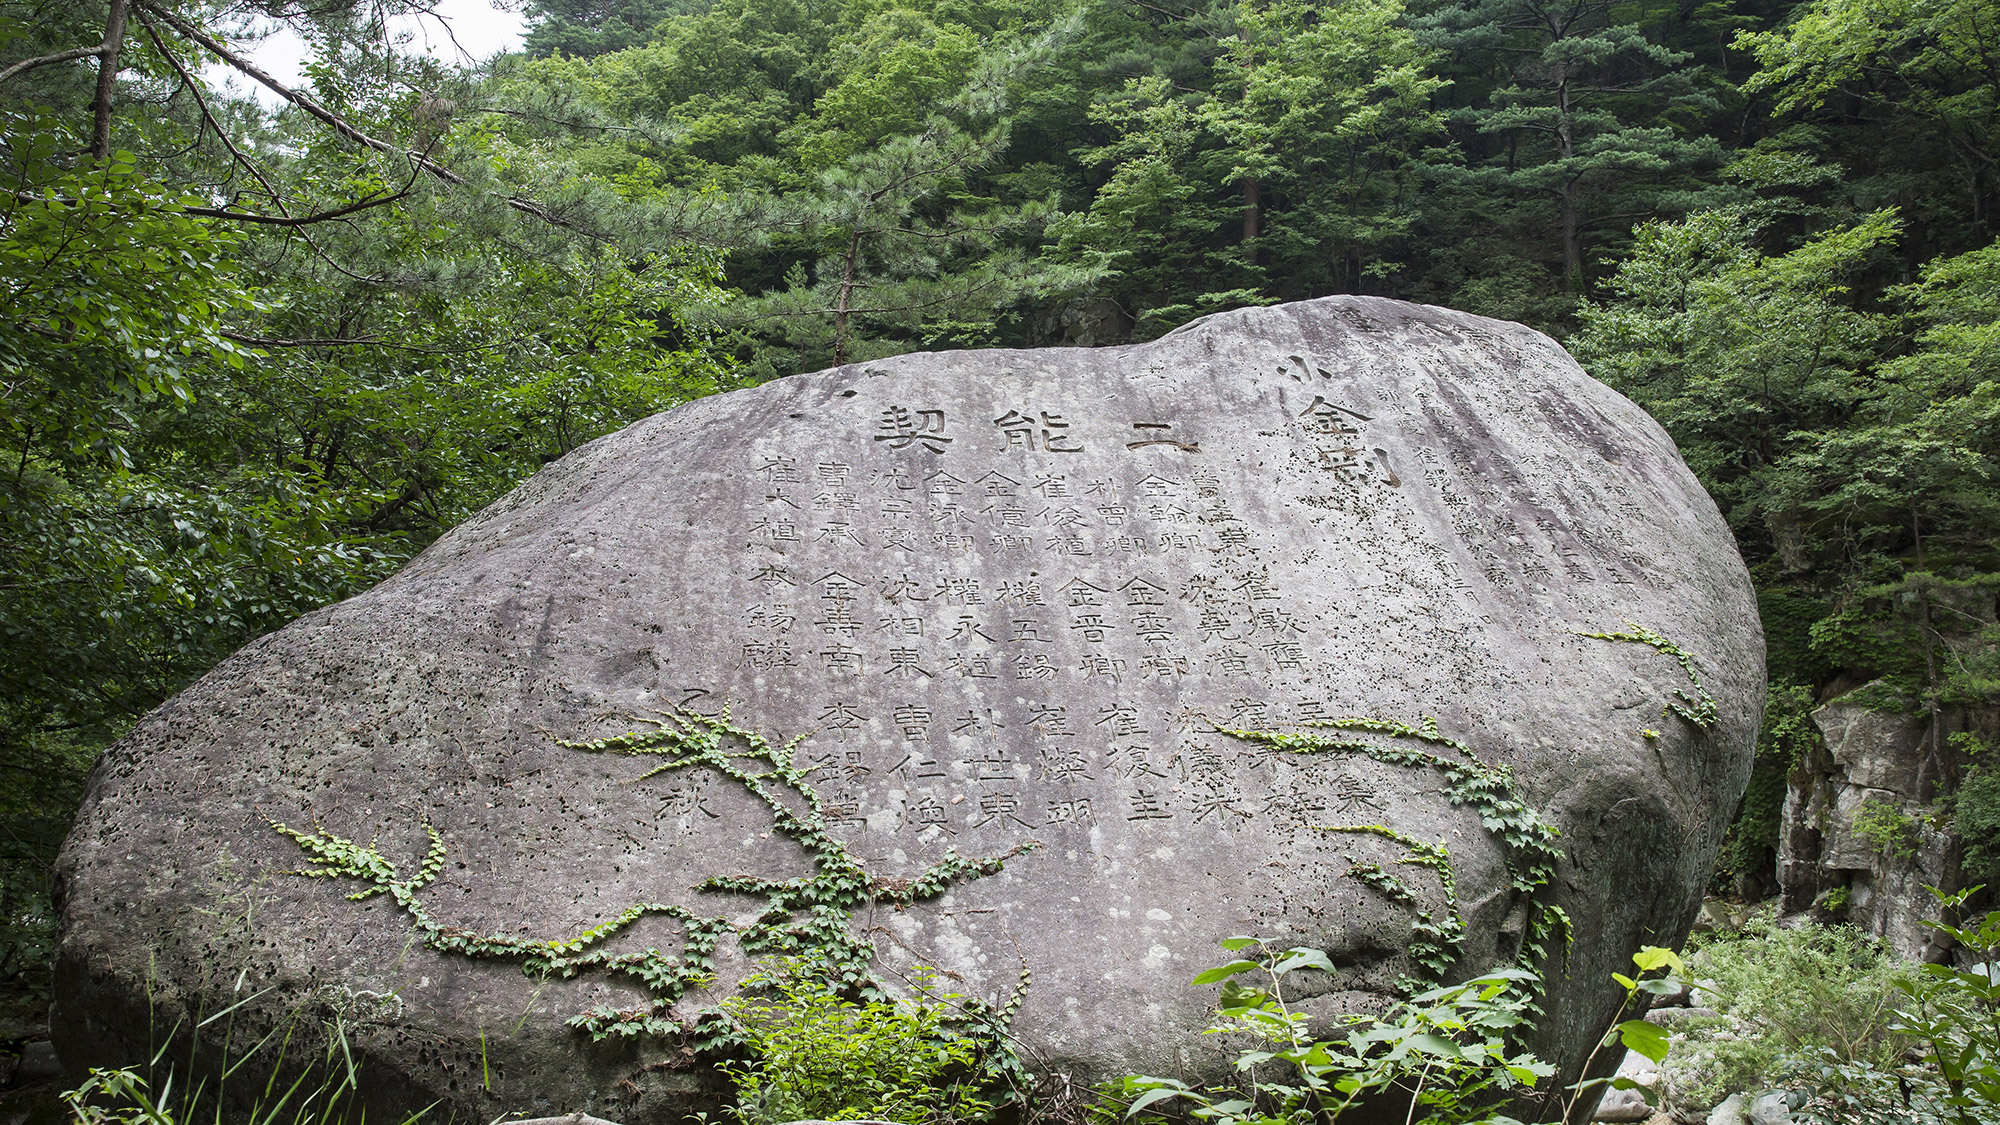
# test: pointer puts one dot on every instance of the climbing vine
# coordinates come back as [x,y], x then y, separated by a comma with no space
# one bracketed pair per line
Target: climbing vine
[807,920]
[1527,841]
[1438,937]
[1698,708]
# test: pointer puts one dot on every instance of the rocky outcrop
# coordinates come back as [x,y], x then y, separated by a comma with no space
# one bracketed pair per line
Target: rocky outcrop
[1051,666]
[1860,838]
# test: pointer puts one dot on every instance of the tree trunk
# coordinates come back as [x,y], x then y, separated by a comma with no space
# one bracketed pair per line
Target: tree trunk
[1572,239]
[1252,213]
[1572,242]
[107,80]
[841,302]
[1937,763]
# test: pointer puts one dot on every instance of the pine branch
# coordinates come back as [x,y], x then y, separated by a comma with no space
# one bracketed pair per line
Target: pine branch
[70,55]
[341,125]
[194,88]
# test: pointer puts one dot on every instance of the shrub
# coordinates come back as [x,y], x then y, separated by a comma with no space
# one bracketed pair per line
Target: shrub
[1857,1093]
[1444,1050]
[1845,1093]
[1976,815]
[1893,832]
[1954,1012]
[1811,986]
[815,1054]
[1825,993]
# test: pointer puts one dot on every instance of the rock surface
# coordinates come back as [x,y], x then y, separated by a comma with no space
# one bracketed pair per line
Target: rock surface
[1732,1111]
[1770,1109]
[1631,1104]
[1012,603]
[1879,766]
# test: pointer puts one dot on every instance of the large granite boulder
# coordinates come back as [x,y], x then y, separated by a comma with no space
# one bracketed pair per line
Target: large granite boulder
[976,660]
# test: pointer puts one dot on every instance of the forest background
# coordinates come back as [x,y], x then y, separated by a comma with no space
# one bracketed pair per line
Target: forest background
[252,360]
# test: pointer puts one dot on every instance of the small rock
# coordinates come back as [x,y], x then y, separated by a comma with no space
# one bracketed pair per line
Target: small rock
[1730,1112]
[1639,1069]
[1623,1105]
[38,1061]
[1706,993]
[1771,1109]
[1630,1105]
[1671,1018]
[1716,917]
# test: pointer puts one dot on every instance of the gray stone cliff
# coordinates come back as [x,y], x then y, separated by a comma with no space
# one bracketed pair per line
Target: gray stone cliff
[1881,769]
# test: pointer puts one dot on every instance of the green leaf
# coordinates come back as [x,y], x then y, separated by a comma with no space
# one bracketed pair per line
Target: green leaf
[1645,1038]
[1223,972]
[1434,1045]
[1651,1096]
[1654,957]
[1303,958]
[1156,1094]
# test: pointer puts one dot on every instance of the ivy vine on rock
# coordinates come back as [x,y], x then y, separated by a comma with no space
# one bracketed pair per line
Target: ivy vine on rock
[1528,842]
[1698,708]
[807,920]
[1438,937]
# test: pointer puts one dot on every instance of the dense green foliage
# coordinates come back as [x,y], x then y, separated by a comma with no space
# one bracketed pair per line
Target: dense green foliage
[1953,1012]
[1800,992]
[815,1054]
[1448,1055]
[252,360]
[1855,1037]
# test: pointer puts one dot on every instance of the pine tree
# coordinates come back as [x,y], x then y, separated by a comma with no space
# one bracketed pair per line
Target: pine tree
[586,28]
[891,247]
[1582,119]
[1273,157]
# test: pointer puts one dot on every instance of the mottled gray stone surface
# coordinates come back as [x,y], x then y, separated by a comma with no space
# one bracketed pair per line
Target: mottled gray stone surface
[1009,597]
[1875,761]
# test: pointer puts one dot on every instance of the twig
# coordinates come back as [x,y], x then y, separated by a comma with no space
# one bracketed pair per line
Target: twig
[299,220]
[194,88]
